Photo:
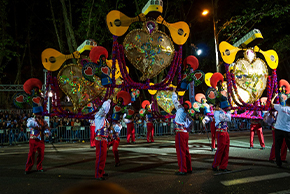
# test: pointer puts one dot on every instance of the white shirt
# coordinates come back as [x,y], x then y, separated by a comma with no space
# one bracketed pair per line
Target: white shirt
[220,115]
[283,118]
[100,117]
[180,116]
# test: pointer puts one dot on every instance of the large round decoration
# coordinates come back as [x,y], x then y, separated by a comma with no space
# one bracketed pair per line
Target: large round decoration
[192,61]
[251,76]
[211,95]
[152,92]
[30,84]
[164,100]
[207,77]
[198,77]
[263,100]
[19,99]
[149,50]
[199,97]
[215,78]
[76,87]
[125,96]
[89,70]
[285,83]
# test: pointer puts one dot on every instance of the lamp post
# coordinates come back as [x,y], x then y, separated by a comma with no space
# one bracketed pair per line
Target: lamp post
[204,13]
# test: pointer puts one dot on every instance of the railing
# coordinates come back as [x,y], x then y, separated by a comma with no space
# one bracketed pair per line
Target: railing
[82,133]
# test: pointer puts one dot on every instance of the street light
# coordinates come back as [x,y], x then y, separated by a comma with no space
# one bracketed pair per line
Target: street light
[205,13]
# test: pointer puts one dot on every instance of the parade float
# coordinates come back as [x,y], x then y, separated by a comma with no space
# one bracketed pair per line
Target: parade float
[93,78]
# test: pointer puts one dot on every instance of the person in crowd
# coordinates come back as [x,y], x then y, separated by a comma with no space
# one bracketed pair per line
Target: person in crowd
[77,125]
[182,136]
[101,141]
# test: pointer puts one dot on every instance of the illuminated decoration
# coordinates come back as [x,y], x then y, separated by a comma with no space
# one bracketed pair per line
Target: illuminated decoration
[77,88]
[251,76]
[149,50]
[164,100]
[94,78]
[247,78]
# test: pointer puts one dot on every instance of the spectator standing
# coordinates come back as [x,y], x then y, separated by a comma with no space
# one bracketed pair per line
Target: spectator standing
[282,127]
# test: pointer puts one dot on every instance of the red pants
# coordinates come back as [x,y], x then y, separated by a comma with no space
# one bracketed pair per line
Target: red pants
[212,129]
[115,143]
[283,149]
[258,128]
[150,132]
[221,157]
[35,145]
[130,132]
[182,151]
[101,155]
[92,137]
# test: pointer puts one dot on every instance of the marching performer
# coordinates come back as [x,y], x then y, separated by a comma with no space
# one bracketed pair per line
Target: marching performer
[38,127]
[223,140]
[256,126]
[149,120]
[115,131]
[182,136]
[101,135]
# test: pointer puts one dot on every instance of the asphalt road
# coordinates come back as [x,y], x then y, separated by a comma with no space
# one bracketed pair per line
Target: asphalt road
[147,168]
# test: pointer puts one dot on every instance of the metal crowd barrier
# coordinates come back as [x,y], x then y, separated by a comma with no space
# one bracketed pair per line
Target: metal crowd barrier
[82,133]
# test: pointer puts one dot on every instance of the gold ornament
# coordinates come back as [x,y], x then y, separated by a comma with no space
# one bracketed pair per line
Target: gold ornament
[149,50]
[164,100]
[76,87]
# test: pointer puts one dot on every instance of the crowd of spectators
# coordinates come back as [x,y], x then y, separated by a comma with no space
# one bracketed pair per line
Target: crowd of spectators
[13,126]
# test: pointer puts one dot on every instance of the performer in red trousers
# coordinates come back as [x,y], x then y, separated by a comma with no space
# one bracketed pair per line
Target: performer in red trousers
[182,136]
[115,131]
[38,127]
[270,119]
[101,135]
[223,140]
[256,126]
[92,134]
[150,125]
[213,134]
[130,129]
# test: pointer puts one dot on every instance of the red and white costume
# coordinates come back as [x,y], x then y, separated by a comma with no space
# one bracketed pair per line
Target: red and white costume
[38,127]
[256,126]
[92,136]
[150,128]
[223,140]
[116,141]
[101,135]
[130,129]
[181,136]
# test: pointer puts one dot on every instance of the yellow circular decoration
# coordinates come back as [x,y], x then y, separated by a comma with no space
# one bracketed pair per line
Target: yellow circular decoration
[152,92]
[207,78]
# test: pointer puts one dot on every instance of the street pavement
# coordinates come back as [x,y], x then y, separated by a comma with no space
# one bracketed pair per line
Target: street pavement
[148,168]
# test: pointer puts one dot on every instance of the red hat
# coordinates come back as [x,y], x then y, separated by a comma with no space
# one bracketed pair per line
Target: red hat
[145,103]
[188,103]
[215,78]
[30,84]
[125,96]
[192,61]
[283,82]
[96,53]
